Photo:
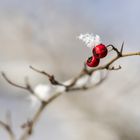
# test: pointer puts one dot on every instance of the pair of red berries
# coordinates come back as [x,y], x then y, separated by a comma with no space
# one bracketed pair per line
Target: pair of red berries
[99,51]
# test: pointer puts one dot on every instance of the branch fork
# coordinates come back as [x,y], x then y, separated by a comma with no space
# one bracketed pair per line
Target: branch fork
[29,125]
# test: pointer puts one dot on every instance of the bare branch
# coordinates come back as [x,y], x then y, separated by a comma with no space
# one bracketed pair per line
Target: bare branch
[8,129]
[27,86]
[92,86]
[29,129]
[12,83]
[30,124]
[50,77]
[71,87]
[107,65]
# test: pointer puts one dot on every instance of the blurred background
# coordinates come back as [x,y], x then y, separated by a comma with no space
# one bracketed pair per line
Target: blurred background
[43,33]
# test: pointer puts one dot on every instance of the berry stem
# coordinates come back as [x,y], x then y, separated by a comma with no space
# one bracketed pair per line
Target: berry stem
[71,87]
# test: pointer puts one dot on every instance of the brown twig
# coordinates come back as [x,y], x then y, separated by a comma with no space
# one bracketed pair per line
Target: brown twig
[50,77]
[69,87]
[107,65]
[29,128]
[92,86]
[14,84]
[9,130]
[27,86]
[56,83]
[31,124]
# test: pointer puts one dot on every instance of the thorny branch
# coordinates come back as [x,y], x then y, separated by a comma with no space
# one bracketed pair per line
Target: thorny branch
[69,87]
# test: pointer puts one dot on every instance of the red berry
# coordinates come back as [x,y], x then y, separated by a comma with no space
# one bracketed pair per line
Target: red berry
[100,51]
[92,61]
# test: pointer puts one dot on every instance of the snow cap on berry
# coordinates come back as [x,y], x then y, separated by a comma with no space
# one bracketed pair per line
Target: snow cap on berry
[90,40]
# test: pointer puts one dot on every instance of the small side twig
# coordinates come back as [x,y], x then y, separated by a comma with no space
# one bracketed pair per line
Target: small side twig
[9,130]
[69,87]
[27,86]
[29,129]
[120,55]
[50,77]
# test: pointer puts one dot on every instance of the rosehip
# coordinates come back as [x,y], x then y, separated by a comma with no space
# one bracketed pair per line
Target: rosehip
[92,61]
[100,51]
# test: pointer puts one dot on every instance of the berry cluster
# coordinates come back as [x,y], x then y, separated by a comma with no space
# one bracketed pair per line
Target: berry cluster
[99,51]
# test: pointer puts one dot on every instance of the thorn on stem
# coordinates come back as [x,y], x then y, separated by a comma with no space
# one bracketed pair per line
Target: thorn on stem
[122,48]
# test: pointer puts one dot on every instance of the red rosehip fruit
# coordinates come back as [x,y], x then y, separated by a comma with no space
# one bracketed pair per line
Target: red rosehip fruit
[100,51]
[93,61]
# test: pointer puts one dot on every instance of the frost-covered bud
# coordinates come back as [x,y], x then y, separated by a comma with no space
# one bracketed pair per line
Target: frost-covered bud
[90,40]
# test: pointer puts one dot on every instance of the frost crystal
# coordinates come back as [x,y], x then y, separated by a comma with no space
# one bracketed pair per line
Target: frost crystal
[90,40]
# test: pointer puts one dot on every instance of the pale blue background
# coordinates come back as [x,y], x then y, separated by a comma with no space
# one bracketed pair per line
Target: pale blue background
[43,33]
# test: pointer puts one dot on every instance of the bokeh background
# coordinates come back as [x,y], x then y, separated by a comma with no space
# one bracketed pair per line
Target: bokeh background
[43,33]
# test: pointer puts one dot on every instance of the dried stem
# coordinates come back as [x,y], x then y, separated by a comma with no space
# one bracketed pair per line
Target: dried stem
[26,87]
[70,87]
[50,77]
[14,84]
[8,129]
[29,128]
[107,66]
